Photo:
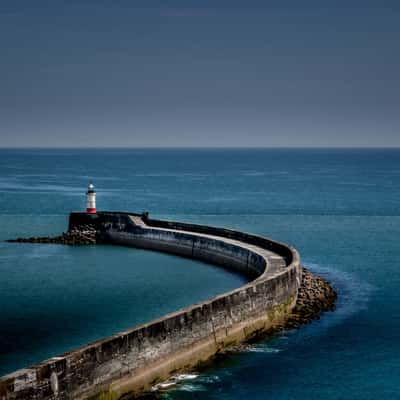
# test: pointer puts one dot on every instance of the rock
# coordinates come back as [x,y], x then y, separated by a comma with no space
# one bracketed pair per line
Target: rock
[87,235]
[315,296]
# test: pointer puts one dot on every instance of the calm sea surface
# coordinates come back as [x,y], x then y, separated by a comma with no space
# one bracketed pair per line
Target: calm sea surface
[339,208]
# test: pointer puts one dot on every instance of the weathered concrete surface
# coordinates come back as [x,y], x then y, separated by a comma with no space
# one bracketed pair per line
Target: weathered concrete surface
[133,360]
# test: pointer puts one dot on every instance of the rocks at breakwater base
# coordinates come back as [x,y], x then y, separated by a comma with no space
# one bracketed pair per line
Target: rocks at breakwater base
[86,234]
[315,296]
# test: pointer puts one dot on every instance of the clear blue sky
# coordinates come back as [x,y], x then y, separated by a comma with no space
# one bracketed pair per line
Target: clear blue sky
[199,73]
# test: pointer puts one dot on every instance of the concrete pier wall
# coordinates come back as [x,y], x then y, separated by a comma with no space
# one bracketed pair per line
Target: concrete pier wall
[133,360]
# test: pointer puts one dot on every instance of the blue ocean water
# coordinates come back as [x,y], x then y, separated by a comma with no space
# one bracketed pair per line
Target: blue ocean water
[339,208]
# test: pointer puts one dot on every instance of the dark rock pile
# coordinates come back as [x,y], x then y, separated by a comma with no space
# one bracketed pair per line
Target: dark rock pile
[315,296]
[86,234]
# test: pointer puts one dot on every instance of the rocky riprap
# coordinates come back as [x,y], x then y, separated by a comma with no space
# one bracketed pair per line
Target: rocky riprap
[315,296]
[86,234]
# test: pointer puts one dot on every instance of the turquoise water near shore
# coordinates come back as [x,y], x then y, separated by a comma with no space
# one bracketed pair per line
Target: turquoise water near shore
[339,208]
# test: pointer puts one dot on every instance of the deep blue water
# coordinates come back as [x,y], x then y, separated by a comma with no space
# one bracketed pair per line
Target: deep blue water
[339,208]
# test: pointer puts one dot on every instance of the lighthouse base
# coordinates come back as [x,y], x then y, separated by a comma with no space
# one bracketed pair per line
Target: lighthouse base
[91,210]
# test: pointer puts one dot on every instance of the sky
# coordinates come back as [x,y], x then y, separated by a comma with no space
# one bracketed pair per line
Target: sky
[199,73]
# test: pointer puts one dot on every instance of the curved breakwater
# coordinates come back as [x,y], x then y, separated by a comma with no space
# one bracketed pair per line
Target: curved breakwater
[136,359]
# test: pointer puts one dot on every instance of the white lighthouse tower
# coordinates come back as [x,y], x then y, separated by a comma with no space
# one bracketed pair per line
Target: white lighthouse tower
[91,200]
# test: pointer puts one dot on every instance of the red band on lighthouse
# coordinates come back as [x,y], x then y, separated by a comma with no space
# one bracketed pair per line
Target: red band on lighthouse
[91,200]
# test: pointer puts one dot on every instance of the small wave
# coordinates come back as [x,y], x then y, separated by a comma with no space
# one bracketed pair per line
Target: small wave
[189,387]
[173,381]
[164,385]
[218,199]
[356,183]
[192,382]
[253,173]
[263,349]
[184,377]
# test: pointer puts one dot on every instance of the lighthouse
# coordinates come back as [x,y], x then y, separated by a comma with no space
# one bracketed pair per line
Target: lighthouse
[91,200]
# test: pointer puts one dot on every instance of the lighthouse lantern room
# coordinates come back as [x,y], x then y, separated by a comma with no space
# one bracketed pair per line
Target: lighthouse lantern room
[91,200]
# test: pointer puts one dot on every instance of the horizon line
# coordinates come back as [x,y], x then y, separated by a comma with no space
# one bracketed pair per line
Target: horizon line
[194,147]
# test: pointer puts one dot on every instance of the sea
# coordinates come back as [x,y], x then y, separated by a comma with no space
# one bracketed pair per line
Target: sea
[339,207]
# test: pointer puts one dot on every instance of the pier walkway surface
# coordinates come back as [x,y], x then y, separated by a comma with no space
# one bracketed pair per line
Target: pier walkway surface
[275,262]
